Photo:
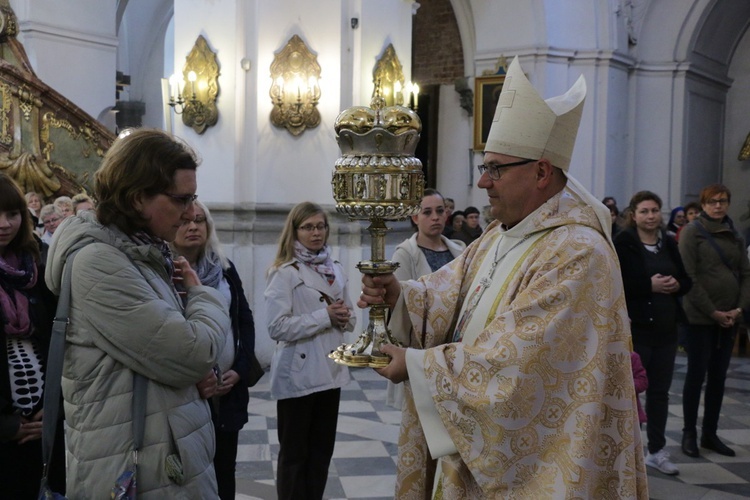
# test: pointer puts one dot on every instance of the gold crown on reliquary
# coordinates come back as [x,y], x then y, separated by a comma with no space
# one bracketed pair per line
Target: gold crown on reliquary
[377,175]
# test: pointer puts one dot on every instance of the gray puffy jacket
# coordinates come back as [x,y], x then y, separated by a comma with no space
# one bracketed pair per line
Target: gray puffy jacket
[124,320]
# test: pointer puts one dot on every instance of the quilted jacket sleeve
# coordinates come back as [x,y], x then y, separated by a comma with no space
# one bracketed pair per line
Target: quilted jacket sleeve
[134,317]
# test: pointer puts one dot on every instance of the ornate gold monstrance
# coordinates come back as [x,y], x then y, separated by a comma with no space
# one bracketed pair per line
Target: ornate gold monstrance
[377,178]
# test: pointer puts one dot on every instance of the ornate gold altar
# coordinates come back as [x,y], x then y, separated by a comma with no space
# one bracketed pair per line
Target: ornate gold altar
[47,144]
[377,178]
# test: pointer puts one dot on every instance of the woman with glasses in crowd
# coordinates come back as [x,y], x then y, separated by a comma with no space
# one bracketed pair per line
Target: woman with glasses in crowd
[126,318]
[307,309]
[197,241]
[26,311]
[51,217]
[654,278]
[716,259]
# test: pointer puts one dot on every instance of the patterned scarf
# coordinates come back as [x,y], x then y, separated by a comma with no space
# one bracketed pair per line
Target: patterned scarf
[209,270]
[16,275]
[143,238]
[320,261]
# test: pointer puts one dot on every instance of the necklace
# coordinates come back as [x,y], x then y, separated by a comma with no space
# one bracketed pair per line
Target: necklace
[484,284]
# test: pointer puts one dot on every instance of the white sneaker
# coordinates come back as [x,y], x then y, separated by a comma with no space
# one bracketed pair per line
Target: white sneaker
[660,461]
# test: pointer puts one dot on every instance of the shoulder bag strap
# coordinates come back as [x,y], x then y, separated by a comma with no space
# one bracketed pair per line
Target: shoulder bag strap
[53,370]
[53,378]
[139,412]
[716,247]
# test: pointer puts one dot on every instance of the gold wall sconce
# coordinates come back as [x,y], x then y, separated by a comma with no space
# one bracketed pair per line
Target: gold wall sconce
[295,91]
[388,75]
[196,99]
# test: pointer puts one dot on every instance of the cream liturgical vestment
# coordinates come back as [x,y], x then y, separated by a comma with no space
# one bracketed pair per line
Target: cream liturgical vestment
[522,373]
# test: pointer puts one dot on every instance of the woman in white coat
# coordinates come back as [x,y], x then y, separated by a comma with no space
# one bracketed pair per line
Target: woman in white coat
[425,252]
[307,309]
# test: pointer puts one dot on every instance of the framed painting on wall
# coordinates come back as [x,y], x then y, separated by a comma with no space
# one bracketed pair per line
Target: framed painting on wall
[486,94]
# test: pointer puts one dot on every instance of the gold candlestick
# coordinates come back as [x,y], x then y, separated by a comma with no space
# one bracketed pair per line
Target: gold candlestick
[377,178]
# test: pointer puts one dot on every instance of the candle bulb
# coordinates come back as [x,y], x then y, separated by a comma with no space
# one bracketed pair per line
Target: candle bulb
[397,98]
[312,82]
[280,86]
[298,84]
[191,78]
[174,91]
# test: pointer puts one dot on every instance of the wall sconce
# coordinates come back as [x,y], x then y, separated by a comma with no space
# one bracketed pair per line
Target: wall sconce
[295,92]
[196,101]
[388,75]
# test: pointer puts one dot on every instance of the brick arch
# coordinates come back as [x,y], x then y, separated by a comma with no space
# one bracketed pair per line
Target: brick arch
[437,52]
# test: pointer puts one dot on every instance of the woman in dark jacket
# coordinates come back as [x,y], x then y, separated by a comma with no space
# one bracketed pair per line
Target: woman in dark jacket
[654,277]
[716,259]
[197,241]
[26,311]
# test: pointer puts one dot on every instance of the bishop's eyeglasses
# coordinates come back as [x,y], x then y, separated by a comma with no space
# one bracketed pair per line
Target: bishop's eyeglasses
[494,170]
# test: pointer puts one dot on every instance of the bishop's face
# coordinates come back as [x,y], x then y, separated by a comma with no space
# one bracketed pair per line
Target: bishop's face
[509,195]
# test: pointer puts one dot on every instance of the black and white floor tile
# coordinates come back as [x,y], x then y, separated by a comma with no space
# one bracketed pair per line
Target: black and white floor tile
[364,459]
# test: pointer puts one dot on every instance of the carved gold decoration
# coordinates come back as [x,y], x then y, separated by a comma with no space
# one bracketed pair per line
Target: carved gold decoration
[295,91]
[30,172]
[26,100]
[47,143]
[8,22]
[5,94]
[194,96]
[377,178]
[501,67]
[389,74]
[745,151]
[80,141]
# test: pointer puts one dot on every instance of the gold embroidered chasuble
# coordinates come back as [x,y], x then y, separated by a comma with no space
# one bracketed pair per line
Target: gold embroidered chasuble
[538,399]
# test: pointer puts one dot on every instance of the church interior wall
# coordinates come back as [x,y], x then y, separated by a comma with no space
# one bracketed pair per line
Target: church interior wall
[666,111]
[145,34]
[81,45]
[703,158]
[736,173]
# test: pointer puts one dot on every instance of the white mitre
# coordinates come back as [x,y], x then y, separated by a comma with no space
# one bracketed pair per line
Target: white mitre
[527,126]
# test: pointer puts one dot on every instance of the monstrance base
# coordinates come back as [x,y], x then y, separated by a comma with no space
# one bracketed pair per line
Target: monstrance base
[342,357]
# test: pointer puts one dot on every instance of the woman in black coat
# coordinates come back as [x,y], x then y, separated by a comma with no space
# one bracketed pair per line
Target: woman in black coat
[654,277]
[197,242]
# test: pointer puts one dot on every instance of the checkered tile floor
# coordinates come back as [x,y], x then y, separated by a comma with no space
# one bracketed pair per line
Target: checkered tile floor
[363,464]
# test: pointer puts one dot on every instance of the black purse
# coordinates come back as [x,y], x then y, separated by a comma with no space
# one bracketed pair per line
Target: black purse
[256,371]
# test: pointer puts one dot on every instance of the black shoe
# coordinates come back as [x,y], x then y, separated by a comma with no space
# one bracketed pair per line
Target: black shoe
[690,444]
[712,442]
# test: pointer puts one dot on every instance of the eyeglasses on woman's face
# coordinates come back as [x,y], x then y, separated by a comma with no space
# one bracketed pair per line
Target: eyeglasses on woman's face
[718,201]
[199,220]
[183,199]
[309,228]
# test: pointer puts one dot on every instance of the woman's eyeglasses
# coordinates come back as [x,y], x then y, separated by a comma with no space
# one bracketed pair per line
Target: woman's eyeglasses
[196,221]
[184,199]
[310,227]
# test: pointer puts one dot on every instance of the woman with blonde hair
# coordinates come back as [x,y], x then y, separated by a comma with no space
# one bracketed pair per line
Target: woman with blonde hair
[82,201]
[308,310]
[196,240]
